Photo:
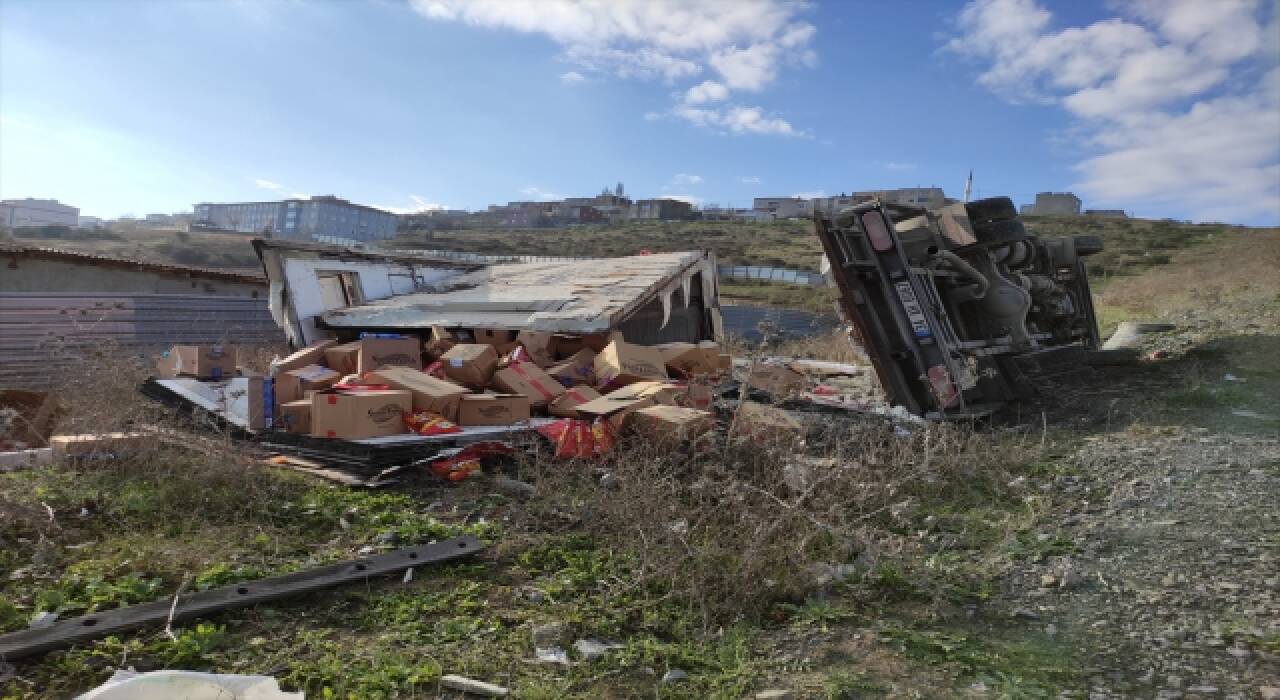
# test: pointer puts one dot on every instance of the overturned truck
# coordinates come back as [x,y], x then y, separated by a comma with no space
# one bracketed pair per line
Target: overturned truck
[960,309]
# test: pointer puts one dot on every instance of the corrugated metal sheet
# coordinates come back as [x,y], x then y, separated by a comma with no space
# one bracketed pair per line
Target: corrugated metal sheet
[42,334]
[22,250]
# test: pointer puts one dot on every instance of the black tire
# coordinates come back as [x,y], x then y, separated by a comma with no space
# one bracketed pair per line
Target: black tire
[990,209]
[1000,232]
[1087,245]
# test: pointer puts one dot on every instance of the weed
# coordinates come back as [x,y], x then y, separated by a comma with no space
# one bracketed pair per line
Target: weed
[847,685]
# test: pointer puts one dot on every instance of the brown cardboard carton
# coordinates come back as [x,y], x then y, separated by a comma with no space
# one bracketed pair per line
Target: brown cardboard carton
[614,409]
[567,346]
[311,355]
[689,358]
[504,349]
[493,409]
[540,346]
[711,351]
[776,379]
[695,395]
[622,363]
[528,379]
[490,336]
[599,341]
[661,392]
[566,405]
[359,414]
[766,423]
[429,393]
[724,362]
[439,342]
[579,369]
[294,384]
[343,359]
[668,423]
[295,417]
[199,361]
[470,364]
[389,352]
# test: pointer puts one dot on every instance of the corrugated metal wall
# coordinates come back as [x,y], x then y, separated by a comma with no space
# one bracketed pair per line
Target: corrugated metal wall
[41,334]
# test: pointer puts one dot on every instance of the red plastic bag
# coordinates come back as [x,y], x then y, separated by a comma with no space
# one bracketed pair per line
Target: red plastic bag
[428,423]
[572,438]
[435,369]
[457,464]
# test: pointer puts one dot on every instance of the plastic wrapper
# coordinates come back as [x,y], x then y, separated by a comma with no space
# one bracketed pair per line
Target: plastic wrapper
[428,423]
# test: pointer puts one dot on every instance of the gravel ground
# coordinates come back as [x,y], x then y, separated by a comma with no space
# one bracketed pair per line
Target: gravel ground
[1172,591]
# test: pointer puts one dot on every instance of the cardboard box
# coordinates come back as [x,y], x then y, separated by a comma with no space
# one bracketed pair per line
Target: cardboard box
[776,379]
[614,409]
[258,395]
[661,392]
[724,362]
[429,393]
[343,359]
[579,369]
[766,423]
[622,363]
[540,346]
[695,395]
[528,379]
[597,342]
[566,405]
[376,353]
[439,342]
[504,349]
[690,358]
[199,361]
[670,423]
[35,413]
[490,336]
[471,364]
[295,417]
[493,409]
[311,355]
[359,414]
[294,384]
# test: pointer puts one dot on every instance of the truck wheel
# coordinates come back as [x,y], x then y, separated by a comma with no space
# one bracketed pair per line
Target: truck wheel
[990,209]
[1003,232]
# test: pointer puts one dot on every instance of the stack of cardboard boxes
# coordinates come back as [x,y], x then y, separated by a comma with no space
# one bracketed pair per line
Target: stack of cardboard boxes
[478,377]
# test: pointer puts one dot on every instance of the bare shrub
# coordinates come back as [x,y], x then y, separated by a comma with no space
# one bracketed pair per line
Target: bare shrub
[728,528]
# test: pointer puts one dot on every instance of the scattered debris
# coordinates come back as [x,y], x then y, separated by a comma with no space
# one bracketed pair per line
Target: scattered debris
[468,685]
[674,675]
[94,626]
[25,459]
[513,487]
[592,649]
[189,685]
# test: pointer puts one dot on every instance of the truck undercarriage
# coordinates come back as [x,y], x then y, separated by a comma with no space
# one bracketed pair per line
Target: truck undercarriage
[960,309]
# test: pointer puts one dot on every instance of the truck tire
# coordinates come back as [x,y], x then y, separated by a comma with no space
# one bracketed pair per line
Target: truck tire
[990,209]
[1002,232]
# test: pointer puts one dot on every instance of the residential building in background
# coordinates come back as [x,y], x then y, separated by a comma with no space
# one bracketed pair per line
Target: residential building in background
[783,207]
[927,197]
[1053,204]
[661,209]
[90,222]
[1107,213]
[22,213]
[298,218]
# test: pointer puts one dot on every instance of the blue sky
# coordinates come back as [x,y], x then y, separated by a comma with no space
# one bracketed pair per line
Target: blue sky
[1164,108]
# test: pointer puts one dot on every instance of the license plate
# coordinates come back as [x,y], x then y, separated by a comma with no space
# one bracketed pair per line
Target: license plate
[914,312]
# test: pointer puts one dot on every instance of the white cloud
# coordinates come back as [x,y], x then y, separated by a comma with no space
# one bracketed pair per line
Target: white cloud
[1171,114]
[749,179]
[540,194]
[267,184]
[737,119]
[745,42]
[695,201]
[420,205]
[891,165]
[573,77]
[298,195]
[816,194]
[686,179]
[706,91]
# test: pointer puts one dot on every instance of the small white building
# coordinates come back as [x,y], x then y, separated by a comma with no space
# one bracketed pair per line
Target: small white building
[91,222]
[783,207]
[23,213]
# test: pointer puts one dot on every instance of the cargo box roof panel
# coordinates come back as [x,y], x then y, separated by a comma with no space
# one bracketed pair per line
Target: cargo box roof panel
[571,297]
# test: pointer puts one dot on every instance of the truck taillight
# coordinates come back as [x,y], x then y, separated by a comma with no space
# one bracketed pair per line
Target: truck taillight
[943,388]
[878,231]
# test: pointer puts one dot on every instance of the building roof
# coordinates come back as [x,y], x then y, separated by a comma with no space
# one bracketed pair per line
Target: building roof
[18,250]
[324,198]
